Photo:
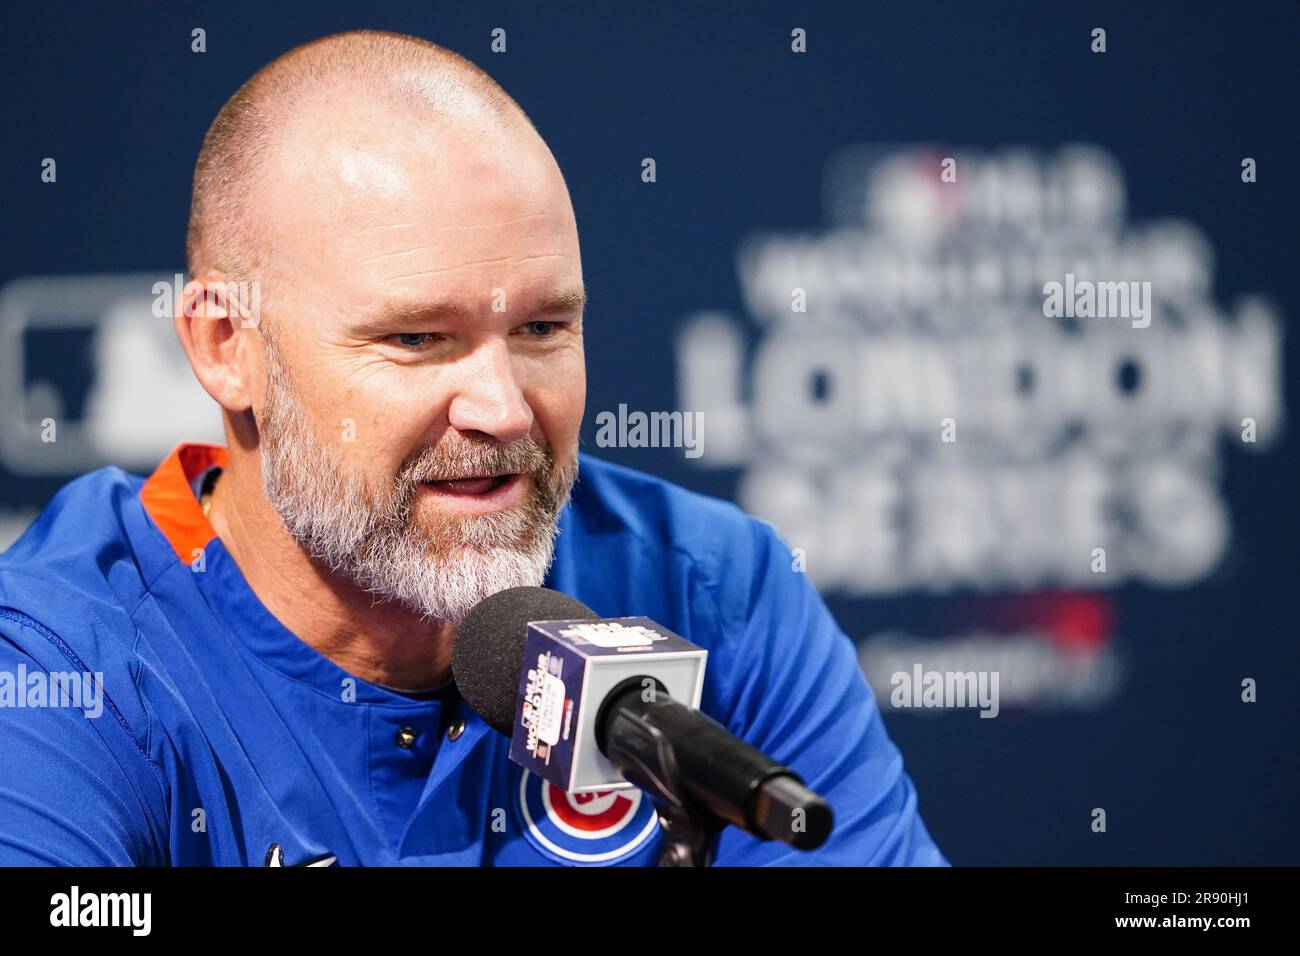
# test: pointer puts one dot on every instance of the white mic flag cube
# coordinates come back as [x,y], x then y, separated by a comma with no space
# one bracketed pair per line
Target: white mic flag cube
[569,668]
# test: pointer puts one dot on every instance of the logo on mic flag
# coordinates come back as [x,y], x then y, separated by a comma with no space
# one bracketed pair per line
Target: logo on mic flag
[600,827]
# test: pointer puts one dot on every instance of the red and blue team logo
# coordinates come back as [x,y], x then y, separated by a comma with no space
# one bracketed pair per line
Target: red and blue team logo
[593,828]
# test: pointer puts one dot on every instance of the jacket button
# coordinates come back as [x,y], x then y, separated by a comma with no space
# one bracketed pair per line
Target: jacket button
[406,738]
[456,729]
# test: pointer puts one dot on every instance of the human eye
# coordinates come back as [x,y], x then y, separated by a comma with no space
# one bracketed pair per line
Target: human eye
[541,329]
[413,341]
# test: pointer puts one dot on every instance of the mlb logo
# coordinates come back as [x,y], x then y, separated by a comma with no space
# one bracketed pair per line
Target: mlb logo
[91,373]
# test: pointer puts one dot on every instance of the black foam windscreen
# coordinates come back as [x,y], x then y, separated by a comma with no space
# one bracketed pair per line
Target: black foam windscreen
[487,655]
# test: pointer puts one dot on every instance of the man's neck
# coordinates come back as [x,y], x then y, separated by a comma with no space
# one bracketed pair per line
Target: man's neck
[383,643]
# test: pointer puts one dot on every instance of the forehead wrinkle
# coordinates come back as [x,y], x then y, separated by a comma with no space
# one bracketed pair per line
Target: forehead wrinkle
[473,225]
[568,300]
[415,250]
[469,230]
[477,262]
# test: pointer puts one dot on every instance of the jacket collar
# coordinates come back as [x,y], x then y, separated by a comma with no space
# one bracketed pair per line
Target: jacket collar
[168,496]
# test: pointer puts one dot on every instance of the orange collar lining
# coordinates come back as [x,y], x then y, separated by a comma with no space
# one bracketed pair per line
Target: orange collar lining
[168,496]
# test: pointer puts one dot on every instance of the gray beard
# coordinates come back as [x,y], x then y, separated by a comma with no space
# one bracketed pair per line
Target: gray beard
[370,535]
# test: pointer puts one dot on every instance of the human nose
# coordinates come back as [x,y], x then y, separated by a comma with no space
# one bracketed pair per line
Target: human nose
[489,399]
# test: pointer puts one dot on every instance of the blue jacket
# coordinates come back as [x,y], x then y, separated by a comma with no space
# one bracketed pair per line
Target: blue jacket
[210,734]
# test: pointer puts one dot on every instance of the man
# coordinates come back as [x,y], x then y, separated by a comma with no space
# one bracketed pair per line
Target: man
[269,622]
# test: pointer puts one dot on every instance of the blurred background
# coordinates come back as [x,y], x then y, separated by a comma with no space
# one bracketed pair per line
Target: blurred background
[835,266]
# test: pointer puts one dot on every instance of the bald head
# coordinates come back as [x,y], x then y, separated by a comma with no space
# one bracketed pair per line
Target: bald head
[362,73]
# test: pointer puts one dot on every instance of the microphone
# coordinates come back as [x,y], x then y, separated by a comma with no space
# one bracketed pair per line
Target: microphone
[586,702]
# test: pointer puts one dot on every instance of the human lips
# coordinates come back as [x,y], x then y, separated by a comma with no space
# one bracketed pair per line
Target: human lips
[478,492]
[473,484]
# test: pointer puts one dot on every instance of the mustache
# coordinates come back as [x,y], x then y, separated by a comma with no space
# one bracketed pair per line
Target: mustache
[472,459]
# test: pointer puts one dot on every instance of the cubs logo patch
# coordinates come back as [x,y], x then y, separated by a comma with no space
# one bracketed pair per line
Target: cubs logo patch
[592,828]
